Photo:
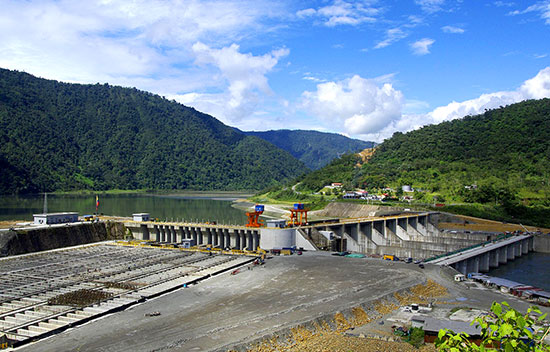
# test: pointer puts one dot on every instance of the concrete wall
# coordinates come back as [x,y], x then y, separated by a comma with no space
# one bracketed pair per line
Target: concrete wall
[277,238]
[542,243]
[302,241]
[28,241]
[412,236]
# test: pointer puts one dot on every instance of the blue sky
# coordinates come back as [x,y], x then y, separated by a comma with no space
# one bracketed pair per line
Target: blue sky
[361,68]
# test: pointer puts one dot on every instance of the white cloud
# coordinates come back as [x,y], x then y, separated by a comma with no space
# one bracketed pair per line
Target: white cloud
[154,45]
[422,46]
[430,6]
[306,13]
[244,77]
[392,35]
[356,105]
[542,8]
[120,41]
[342,12]
[452,29]
[537,87]
[503,4]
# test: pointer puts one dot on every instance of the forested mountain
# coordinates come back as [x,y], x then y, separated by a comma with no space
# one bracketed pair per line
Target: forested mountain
[60,136]
[313,148]
[498,156]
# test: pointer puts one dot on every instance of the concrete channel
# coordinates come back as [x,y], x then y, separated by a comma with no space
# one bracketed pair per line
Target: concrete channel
[122,275]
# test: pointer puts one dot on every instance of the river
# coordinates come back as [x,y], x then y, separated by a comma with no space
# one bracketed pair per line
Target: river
[189,206]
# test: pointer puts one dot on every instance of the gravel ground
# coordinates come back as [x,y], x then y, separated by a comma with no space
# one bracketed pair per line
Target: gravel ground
[231,310]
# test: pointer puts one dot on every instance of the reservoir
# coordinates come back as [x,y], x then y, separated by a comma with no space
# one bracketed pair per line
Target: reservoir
[530,269]
[188,206]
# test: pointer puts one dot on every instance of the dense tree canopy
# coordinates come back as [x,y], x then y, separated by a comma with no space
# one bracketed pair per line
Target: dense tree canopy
[496,157]
[315,149]
[59,136]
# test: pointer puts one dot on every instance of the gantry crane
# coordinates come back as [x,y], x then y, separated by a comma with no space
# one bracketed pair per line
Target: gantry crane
[298,215]
[253,217]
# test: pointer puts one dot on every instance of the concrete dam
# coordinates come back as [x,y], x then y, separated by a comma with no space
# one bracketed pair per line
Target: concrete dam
[405,235]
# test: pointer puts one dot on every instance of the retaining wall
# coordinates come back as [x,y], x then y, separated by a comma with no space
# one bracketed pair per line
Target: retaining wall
[36,240]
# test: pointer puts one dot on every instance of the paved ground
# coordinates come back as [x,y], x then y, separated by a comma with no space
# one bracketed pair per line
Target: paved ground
[229,309]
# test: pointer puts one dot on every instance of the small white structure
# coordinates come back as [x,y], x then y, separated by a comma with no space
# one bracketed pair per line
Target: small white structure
[460,277]
[187,243]
[330,235]
[141,216]
[55,218]
[280,223]
[407,188]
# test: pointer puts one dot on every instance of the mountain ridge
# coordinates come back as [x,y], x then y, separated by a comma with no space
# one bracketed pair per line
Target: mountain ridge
[65,136]
[315,149]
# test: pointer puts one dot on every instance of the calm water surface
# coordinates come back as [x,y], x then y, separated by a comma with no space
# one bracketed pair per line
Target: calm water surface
[188,206]
[531,269]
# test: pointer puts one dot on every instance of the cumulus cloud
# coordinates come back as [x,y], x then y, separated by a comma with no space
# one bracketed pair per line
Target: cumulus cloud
[422,46]
[342,12]
[162,46]
[120,41]
[537,87]
[452,29]
[357,105]
[542,8]
[244,76]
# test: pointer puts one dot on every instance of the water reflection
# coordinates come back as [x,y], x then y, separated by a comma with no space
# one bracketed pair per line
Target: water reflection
[189,206]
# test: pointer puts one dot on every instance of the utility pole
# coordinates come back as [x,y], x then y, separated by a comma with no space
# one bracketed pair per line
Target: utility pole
[45,210]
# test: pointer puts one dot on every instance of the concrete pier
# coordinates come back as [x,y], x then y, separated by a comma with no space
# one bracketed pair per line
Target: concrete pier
[483,258]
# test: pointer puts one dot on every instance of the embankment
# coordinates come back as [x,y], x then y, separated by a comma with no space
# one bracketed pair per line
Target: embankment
[355,210]
[35,240]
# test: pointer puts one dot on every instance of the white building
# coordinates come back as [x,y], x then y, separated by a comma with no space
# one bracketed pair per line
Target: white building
[55,218]
[141,216]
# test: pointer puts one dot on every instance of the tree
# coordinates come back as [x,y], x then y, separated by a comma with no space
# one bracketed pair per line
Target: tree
[505,329]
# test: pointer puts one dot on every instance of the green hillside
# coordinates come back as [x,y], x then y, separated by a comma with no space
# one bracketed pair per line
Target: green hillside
[502,150]
[506,148]
[499,160]
[60,136]
[315,149]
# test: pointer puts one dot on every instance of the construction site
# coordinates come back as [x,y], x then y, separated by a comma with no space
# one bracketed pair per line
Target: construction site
[45,293]
[124,298]
[211,287]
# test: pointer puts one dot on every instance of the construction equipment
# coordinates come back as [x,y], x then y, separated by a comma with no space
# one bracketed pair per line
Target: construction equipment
[253,217]
[298,215]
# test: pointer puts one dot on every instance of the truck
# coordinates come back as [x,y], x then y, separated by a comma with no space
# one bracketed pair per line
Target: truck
[390,257]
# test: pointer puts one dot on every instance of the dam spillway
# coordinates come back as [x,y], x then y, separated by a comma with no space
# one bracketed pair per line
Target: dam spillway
[487,256]
[404,235]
